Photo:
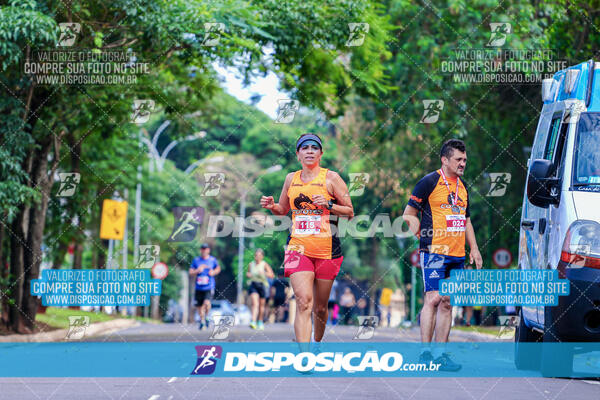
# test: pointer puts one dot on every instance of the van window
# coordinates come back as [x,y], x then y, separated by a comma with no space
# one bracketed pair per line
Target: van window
[587,156]
[551,143]
[555,145]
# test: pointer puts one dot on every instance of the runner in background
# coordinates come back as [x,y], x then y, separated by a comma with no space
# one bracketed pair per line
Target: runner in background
[204,269]
[347,303]
[385,301]
[258,273]
[333,296]
[279,293]
[313,255]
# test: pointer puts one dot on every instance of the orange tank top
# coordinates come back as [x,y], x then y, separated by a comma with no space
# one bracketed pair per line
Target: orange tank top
[311,226]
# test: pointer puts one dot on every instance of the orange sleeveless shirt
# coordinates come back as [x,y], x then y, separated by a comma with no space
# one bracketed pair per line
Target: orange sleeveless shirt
[311,226]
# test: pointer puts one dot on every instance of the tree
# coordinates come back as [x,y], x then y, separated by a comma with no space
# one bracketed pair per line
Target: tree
[167,34]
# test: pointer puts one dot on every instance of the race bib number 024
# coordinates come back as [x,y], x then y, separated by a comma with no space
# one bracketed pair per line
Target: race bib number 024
[307,225]
[456,223]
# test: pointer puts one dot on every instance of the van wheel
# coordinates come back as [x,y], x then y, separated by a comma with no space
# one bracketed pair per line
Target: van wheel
[527,354]
[557,355]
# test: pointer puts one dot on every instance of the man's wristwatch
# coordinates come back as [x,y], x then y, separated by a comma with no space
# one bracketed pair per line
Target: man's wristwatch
[330,204]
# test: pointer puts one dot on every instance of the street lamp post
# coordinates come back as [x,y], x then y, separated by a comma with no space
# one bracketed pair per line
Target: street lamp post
[159,159]
[240,275]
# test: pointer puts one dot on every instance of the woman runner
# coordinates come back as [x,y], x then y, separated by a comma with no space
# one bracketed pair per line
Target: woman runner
[313,255]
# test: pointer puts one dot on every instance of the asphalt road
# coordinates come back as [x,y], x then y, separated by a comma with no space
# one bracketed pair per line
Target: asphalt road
[303,388]
[273,333]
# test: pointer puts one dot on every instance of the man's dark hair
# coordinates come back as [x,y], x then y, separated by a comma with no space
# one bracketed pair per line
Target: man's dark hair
[449,146]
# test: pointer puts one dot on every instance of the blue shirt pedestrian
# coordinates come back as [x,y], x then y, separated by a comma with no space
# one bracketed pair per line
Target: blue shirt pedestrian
[204,281]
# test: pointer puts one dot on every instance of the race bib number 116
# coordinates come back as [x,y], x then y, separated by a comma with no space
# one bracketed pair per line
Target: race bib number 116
[307,225]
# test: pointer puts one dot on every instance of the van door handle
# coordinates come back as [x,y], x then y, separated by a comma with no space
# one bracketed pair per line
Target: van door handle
[528,224]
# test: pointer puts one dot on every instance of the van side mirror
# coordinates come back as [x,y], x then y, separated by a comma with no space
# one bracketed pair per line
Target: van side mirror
[542,190]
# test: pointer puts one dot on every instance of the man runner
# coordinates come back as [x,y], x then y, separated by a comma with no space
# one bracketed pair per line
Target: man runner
[313,254]
[204,269]
[443,201]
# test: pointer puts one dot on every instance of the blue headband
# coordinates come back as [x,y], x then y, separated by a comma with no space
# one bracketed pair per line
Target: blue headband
[306,138]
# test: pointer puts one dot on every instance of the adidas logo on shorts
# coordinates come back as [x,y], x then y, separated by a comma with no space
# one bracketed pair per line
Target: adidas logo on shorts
[434,274]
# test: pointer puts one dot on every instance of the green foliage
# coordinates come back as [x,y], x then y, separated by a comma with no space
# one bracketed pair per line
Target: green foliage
[496,121]
[14,191]
[365,102]
[21,25]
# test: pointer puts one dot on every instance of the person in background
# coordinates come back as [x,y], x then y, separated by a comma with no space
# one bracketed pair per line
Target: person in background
[385,301]
[258,273]
[335,314]
[347,303]
[477,314]
[361,306]
[333,295]
[279,295]
[468,313]
[204,269]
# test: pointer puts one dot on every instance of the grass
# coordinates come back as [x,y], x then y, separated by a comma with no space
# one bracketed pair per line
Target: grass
[59,317]
[492,330]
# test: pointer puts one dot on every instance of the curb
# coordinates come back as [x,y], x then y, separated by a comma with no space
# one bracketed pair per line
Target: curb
[59,335]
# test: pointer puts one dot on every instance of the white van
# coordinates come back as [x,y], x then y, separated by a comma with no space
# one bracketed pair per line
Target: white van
[560,220]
